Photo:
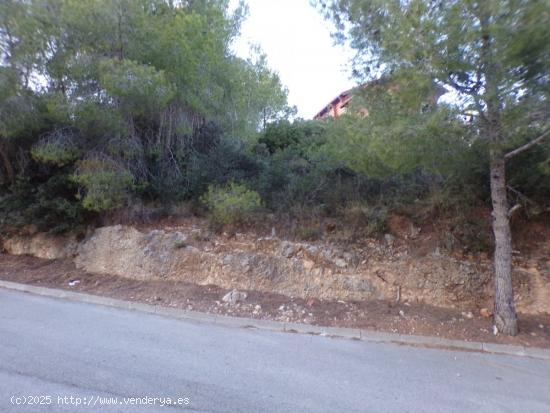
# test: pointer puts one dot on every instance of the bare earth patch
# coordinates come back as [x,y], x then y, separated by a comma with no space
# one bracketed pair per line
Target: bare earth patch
[387,316]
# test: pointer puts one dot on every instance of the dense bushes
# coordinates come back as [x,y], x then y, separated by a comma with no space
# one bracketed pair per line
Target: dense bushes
[301,178]
[106,184]
[231,204]
[283,134]
[48,206]
[129,99]
[292,170]
[169,114]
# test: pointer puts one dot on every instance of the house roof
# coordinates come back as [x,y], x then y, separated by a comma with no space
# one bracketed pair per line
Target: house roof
[343,99]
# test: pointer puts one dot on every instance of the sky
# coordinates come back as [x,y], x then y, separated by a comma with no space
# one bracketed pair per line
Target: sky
[298,45]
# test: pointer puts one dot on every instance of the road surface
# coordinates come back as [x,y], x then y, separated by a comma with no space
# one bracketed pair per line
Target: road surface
[53,350]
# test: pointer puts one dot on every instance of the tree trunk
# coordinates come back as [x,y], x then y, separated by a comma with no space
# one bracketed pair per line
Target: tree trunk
[505,313]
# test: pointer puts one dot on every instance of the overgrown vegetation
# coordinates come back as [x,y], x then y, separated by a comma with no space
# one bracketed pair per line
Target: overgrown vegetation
[109,103]
[232,204]
[124,99]
[494,56]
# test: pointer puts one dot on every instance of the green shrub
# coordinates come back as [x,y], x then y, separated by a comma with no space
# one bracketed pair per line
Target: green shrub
[231,204]
[140,88]
[58,148]
[283,134]
[225,162]
[106,184]
[50,206]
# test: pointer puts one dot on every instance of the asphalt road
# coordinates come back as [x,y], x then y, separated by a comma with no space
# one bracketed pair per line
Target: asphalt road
[52,349]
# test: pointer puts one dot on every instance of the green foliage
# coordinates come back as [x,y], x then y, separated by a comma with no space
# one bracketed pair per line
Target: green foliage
[146,99]
[231,204]
[529,177]
[396,138]
[151,86]
[489,53]
[283,134]
[58,148]
[141,89]
[256,92]
[227,162]
[50,206]
[106,184]
[97,123]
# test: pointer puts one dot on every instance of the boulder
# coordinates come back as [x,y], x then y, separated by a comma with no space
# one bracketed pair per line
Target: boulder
[234,296]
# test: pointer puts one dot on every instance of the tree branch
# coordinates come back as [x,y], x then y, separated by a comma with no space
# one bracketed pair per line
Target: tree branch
[520,195]
[513,209]
[528,145]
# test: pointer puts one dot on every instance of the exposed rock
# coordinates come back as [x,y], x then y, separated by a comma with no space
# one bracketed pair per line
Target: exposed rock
[341,263]
[42,245]
[484,312]
[355,283]
[320,271]
[127,252]
[308,264]
[234,296]
[351,258]
[179,240]
[467,314]
[312,250]
[288,249]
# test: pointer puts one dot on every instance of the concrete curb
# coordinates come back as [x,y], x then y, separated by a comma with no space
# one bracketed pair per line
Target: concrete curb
[241,322]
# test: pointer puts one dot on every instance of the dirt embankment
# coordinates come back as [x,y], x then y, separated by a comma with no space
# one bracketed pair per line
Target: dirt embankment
[382,315]
[404,267]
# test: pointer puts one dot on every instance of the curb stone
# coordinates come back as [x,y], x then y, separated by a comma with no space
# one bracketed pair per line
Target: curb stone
[304,328]
[378,336]
[242,322]
[504,349]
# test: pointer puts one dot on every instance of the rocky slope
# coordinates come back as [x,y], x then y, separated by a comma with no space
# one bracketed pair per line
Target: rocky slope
[388,269]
